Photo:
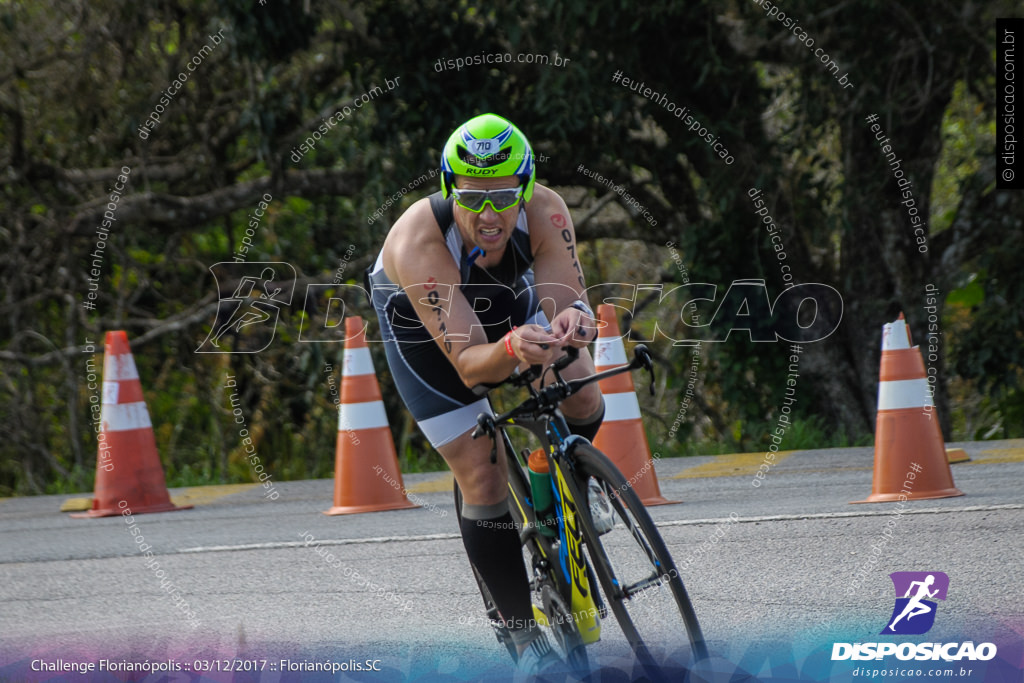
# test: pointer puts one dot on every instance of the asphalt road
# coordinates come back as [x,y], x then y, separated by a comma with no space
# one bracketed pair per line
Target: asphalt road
[791,576]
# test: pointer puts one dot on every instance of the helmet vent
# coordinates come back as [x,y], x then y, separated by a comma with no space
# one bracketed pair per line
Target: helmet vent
[496,159]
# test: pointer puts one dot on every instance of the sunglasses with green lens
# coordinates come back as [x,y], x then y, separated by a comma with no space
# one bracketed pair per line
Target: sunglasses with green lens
[476,200]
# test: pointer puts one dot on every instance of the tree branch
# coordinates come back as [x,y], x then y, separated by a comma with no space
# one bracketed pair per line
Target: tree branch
[181,213]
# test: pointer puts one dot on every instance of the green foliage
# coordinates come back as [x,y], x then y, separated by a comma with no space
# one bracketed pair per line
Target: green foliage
[968,135]
[804,433]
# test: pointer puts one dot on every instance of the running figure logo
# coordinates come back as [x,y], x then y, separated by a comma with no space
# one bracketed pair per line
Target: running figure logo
[250,301]
[914,612]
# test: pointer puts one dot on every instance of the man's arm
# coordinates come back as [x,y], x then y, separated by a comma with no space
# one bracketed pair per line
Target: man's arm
[559,276]
[422,265]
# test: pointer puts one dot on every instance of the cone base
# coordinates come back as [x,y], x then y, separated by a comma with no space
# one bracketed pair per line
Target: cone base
[113,512]
[651,501]
[893,497]
[375,507]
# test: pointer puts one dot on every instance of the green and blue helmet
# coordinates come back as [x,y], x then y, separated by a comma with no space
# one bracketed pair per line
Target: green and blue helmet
[488,146]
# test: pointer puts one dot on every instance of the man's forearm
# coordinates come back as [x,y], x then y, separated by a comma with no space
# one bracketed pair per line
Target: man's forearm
[485,363]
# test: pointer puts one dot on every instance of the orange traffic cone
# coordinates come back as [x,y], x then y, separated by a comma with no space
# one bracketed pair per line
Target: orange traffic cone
[129,475]
[622,436]
[366,474]
[910,457]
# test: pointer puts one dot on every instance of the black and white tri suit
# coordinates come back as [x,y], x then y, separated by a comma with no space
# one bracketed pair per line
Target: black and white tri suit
[502,296]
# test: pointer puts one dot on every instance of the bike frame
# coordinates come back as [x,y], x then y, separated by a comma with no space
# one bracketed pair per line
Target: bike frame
[541,416]
[574,581]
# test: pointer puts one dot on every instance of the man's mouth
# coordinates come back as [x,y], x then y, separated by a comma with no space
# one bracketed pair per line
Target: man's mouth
[490,233]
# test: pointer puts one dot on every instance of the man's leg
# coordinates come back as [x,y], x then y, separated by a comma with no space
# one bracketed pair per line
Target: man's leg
[489,533]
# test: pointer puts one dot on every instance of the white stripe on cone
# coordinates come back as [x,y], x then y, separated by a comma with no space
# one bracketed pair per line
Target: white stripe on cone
[894,336]
[357,362]
[622,406]
[110,390]
[609,351]
[124,417]
[368,415]
[903,393]
[119,367]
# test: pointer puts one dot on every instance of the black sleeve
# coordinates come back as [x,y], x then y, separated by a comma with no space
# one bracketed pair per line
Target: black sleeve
[444,214]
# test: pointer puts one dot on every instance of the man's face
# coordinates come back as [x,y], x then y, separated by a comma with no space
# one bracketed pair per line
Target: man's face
[488,229]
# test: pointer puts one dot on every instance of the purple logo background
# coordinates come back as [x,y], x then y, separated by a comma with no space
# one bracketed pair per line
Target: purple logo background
[915,608]
[901,582]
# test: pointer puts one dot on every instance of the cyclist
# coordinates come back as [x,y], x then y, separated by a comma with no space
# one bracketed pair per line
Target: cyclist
[454,291]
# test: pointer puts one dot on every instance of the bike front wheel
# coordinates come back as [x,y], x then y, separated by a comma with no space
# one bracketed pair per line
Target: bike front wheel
[637,574]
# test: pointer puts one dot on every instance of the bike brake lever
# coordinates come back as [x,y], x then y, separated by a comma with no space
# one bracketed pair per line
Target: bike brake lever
[571,354]
[643,355]
[485,425]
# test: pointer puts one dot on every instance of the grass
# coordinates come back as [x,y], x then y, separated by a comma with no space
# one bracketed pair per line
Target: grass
[802,434]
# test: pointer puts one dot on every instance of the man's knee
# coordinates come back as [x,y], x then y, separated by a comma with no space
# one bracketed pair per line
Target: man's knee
[481,481]
[485,486]
[583,404]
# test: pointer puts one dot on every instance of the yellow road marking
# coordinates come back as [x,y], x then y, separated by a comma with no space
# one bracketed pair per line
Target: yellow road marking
[836,469]
[957,455]
[731,465]
[76,505]
[204,495]
[437,485]
[993,456]
[196,495]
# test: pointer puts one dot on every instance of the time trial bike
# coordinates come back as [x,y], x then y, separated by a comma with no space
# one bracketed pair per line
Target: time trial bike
[625,567]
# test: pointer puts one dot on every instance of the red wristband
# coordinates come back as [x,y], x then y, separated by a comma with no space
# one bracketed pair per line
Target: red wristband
[508,343]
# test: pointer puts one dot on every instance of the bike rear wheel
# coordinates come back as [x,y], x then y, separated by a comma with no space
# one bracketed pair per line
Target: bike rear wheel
[636,572]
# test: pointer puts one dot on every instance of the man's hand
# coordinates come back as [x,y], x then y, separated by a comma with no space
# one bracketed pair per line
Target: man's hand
[532,344]
[573,327]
